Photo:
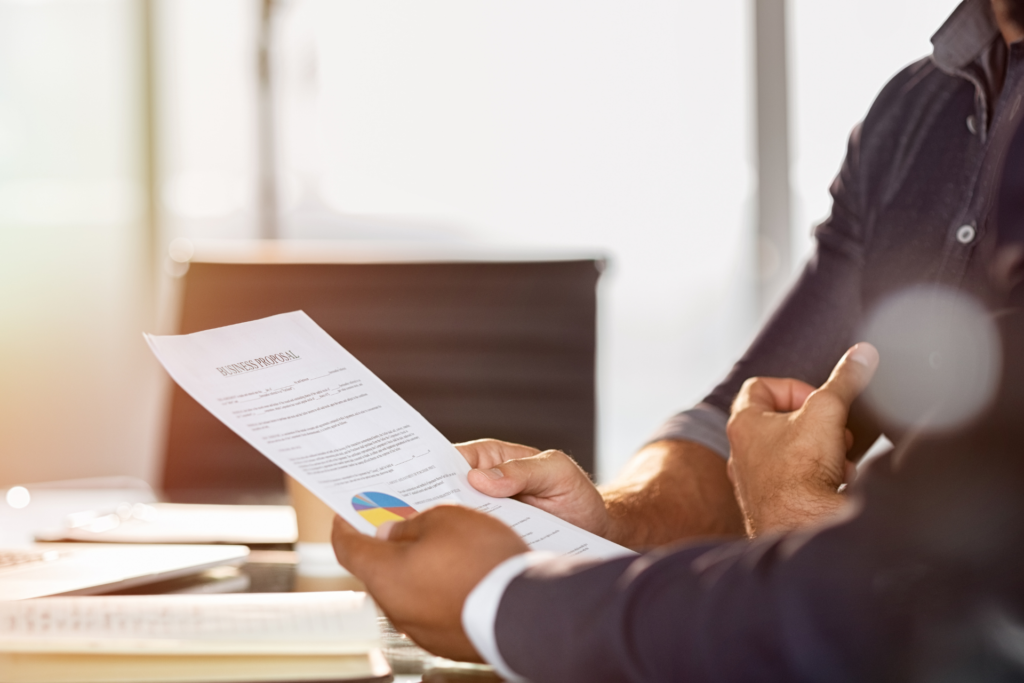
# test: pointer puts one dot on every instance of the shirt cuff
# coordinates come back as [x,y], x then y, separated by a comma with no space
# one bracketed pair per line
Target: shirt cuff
[480,610]
[703,424]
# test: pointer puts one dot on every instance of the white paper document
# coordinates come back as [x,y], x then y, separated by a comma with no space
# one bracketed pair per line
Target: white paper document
[285,386]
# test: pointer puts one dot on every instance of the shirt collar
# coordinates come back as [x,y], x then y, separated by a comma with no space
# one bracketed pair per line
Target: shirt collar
[965,35]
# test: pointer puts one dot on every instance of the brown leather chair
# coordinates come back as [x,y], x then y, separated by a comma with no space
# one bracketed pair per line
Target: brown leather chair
[481,349]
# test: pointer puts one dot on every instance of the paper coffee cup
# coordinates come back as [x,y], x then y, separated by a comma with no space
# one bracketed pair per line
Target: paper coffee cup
[316,561]
[313,517]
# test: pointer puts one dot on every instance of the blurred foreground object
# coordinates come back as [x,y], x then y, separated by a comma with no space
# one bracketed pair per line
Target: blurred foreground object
[941,358]
[178,523]
[43,507]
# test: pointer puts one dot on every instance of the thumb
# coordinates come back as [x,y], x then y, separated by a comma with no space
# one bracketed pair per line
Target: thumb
[543,475]
[444,520]
[852,373]
[355,551]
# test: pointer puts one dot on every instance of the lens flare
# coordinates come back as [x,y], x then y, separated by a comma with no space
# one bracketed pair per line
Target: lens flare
[940,358]
[18,497]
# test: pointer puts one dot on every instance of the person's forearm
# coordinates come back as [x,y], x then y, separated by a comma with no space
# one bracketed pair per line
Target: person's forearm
[669,491]
[788,510]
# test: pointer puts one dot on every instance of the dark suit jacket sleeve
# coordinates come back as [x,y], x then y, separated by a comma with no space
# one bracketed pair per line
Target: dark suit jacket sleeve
[905,587]
[765,611]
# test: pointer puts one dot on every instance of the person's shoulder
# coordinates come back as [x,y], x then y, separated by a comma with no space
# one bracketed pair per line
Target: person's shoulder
[902,118]
[916,89]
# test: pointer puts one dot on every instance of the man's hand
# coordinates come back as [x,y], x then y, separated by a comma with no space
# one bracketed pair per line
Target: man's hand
[549,480]
[669,491]
[789,442]
[421,571]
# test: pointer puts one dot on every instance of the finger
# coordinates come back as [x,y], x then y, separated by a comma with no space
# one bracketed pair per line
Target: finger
[384,530]
[486,453]
[852,373]
[849,473]
[492,481]
[341,526]
[414,528]
[357,552]
[772,394]
[544,475]
[849,439]
[447,521]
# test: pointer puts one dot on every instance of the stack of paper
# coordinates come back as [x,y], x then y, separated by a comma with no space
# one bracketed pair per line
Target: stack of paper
[178,523]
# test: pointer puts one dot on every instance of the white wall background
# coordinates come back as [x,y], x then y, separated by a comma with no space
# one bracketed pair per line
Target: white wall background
[841,54]
[609,126]
[76,380]
[596,125]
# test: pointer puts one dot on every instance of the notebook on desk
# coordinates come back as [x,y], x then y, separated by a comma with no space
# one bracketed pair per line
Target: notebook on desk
[172,639]
[86,569]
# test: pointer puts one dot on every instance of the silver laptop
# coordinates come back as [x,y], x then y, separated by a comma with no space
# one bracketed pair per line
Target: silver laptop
[86,569]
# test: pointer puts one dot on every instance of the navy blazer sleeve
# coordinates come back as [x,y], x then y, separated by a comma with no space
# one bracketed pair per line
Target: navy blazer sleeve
[894,589]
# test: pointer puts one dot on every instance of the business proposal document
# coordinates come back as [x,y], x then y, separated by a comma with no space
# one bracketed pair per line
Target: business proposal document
[285,386]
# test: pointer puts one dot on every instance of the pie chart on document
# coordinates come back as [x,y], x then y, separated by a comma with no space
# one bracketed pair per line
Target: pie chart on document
[377,508]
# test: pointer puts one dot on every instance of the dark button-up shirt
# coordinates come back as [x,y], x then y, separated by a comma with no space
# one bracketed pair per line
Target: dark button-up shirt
[921,577]
[909,208]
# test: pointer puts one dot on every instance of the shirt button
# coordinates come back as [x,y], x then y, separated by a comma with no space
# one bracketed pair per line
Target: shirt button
[965,234]
[972,124]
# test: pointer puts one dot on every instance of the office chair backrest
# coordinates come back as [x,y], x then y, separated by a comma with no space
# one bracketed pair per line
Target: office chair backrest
[481,349]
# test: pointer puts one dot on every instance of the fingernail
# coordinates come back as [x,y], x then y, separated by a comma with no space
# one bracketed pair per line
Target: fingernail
[384,530]
[493,473]
[864,354]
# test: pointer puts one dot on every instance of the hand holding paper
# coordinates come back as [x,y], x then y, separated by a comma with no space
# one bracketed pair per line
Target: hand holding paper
[291,391]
